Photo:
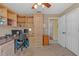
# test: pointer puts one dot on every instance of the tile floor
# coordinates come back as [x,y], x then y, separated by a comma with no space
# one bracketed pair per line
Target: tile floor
[51,50]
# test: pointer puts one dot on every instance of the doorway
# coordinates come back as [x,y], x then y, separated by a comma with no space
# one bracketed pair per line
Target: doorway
[50,30]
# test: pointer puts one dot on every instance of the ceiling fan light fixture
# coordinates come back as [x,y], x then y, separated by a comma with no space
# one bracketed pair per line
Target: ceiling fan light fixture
[39,3]
[43,6]
[35,6]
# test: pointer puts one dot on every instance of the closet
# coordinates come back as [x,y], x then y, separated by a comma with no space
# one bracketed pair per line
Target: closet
[68,35]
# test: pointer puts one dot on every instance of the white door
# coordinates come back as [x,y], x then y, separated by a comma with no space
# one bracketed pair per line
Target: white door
[73,31]
[62,31]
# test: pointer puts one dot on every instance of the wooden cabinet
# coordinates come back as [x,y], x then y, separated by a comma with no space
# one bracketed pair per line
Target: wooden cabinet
[4,49]
[10,15]
[36,23]
[26,22]
[11,18]
[31,41]
[31,25]
[21,21]
[20,24]
[38,29]
[0,50]
[45,40]
[3,12]
[30,19]
[3,15]
[7,49]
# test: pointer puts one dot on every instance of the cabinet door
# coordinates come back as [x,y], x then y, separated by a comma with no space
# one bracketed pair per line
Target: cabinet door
[10,49]
[13,18]
[30,19]
[3,12]
[31,41]
[21,19]
[21,24]
[0,50]
[4,50]
[38,29]
[7,49]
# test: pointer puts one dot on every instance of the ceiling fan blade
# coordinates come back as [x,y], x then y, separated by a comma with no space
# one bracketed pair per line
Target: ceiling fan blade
[33,7]
[47,4]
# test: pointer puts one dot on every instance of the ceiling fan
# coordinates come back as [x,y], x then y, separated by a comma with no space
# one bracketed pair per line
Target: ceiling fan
[36,5]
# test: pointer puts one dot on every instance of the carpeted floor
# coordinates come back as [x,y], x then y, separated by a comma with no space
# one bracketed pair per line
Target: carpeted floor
[51,50]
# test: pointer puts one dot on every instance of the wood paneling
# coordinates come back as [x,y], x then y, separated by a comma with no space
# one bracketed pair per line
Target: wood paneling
[13,17]
[21,19]
[7,14]
[38,29]
[3,12]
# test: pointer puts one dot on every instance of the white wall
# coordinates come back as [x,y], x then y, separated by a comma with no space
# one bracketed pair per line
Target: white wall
[71,23]
[61,29]
[73,31]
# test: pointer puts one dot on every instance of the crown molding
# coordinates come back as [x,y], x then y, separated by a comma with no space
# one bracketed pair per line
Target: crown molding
[72,7]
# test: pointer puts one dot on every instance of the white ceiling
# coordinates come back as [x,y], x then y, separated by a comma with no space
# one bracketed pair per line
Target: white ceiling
[25,8]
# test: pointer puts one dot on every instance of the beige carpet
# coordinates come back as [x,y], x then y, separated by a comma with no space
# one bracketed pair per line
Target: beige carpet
[51,50]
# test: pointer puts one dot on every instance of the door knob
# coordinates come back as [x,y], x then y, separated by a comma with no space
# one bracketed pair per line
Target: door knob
[63,32]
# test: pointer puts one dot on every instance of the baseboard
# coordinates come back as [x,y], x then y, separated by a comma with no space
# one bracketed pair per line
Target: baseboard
[71,51]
